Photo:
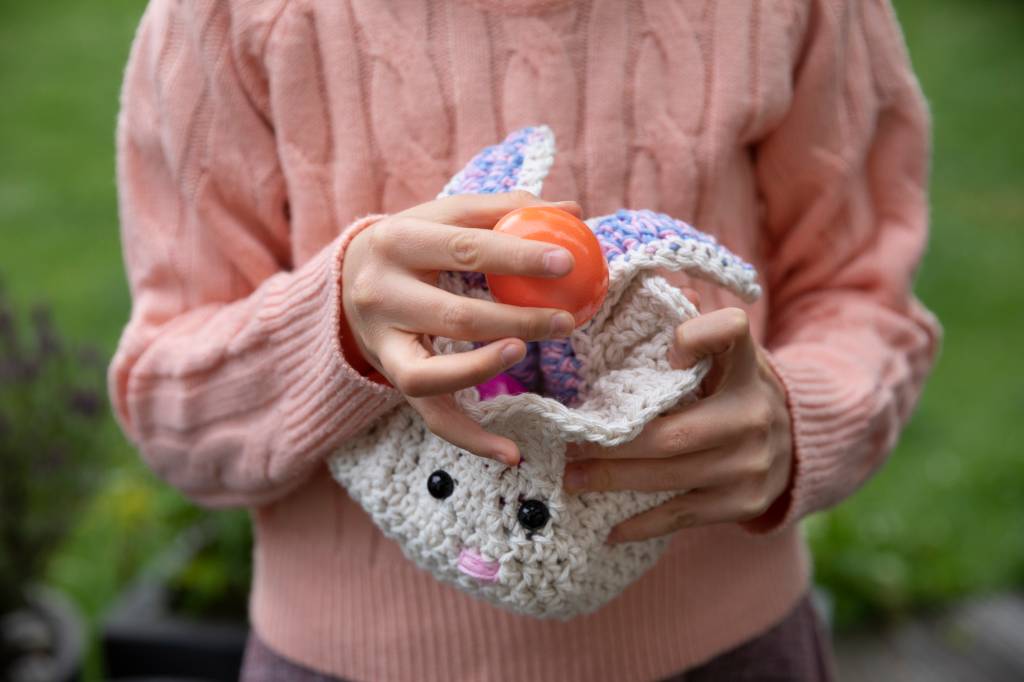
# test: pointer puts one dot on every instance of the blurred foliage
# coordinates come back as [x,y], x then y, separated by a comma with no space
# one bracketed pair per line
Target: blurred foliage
[214,585]
[51,398]
[50,402]
[939,521]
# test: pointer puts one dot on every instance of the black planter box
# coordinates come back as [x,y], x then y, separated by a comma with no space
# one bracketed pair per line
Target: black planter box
[143,640]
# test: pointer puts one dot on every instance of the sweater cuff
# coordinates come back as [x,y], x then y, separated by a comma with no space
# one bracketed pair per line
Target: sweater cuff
[828,409]
[326,399]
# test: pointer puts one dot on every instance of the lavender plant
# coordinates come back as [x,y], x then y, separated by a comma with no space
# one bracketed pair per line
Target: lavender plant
[52,402]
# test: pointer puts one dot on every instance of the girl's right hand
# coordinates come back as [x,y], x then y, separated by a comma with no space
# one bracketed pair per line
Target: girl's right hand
[392,304]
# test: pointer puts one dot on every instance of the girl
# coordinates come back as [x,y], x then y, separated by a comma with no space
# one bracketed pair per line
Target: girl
[275,165]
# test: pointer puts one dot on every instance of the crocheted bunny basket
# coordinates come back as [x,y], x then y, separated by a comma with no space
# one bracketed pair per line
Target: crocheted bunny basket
[512,536]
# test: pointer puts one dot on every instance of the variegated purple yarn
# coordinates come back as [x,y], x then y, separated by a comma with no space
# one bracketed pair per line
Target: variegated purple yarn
[520,162]
[527,371]
[627,232]
[560,371]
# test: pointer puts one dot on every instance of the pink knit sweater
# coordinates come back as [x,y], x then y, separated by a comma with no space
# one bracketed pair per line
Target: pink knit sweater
[253,135]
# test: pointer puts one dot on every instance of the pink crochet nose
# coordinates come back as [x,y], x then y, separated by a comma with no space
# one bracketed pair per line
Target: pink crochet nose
[472,564]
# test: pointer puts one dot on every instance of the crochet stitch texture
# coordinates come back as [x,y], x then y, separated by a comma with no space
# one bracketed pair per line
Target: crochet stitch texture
[513,536]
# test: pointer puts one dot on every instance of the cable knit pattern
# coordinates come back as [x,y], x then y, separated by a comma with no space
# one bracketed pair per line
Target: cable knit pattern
[406,108]
[470,63]
[539,70]
[252,137]
[668,103]
[604,139]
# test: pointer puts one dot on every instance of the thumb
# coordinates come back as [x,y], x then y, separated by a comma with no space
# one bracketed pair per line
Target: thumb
[693,297]
[723,335]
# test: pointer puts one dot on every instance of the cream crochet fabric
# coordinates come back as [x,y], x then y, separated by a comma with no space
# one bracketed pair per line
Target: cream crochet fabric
[511,535]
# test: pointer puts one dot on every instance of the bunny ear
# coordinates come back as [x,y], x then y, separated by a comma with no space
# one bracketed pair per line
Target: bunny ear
[522,161]
[633,240]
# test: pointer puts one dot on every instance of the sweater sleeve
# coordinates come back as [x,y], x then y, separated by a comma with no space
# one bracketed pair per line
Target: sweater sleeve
[229,376]
[844,188]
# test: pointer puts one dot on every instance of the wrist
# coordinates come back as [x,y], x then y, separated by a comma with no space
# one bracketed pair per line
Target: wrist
[350,347]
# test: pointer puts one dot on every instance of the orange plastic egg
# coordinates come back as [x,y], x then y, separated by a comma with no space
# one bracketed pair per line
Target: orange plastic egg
[582,291]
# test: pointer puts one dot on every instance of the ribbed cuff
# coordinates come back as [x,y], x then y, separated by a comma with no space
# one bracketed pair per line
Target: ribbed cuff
[326,400]
[830,407]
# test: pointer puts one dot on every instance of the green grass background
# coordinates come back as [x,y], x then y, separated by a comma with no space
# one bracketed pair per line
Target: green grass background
[943,518]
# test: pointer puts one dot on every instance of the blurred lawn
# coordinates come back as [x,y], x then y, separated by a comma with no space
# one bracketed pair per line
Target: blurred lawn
[942,519]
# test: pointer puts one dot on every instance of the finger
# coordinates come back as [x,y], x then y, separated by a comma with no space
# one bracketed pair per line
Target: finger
[698,426]
[693,296]
[694,508]
[429,310]
[420,244]
[443,417]
[723,334]
[483,210]
[708,468]
[414,371]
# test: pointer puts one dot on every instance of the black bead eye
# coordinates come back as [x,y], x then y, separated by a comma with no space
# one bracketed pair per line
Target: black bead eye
[440,484]
[533,514]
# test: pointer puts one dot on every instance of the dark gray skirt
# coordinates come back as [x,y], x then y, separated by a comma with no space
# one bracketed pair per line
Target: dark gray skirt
[795,650]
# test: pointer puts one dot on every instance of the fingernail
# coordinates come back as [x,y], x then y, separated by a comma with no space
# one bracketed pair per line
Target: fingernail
[562,324]
[558,262]
[575,479]
[511,460]
[510,353]
[569,205]
[613,538]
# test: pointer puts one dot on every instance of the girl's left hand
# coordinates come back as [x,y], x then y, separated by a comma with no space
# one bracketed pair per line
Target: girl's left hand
[731,451]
